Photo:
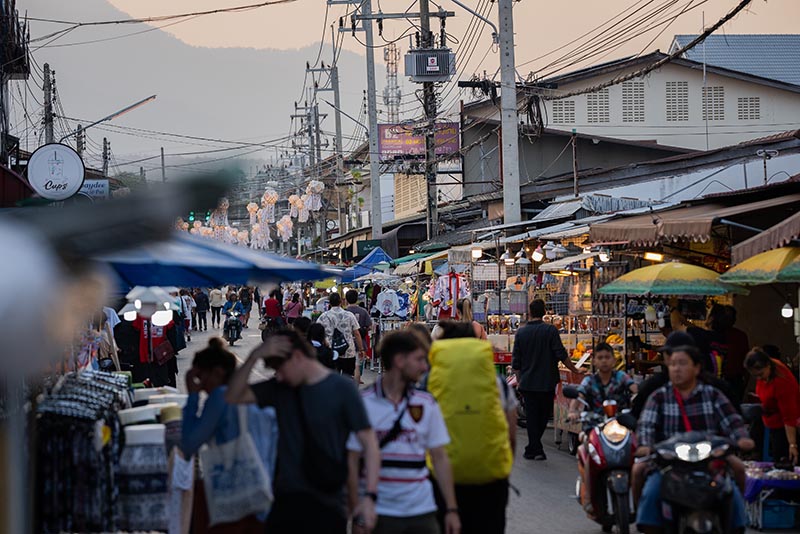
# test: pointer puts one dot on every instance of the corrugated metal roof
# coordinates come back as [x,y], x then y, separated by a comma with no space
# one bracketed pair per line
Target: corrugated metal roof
[776,57]
[563,263]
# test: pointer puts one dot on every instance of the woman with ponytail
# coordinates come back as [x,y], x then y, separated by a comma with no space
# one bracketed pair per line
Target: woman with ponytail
[465,315]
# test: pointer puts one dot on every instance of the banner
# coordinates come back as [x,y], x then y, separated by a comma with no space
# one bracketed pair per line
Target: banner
[399,141]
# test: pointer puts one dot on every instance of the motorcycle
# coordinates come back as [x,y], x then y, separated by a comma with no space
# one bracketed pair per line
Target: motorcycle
[605,459]
[697,483]
[232,329]
[513,384]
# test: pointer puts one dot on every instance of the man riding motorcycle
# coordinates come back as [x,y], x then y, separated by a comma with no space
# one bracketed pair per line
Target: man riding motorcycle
[684,404]
[233,306]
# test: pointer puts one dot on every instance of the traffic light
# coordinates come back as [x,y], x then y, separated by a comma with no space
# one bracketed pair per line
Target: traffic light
[191,216]
[208,216]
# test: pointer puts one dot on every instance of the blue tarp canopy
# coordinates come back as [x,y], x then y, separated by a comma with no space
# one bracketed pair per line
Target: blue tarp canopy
[366,265]
[190,261]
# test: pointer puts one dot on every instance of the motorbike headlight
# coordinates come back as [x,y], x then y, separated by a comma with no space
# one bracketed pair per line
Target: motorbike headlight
[615,432]
[693,452]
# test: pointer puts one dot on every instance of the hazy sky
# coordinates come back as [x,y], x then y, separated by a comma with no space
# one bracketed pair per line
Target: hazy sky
[541,25]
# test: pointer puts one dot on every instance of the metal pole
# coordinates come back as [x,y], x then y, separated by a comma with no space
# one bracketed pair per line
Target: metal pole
[49,137]
[512,211]
[429,100]
[372,111]
[575,163]
[163,167]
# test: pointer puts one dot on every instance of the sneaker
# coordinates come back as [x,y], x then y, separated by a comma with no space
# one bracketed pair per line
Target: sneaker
[539,456]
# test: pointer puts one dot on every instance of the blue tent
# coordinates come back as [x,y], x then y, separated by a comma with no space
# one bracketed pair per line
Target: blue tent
[190,261]
[366,265]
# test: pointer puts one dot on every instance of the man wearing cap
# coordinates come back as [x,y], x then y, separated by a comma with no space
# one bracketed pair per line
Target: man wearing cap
[317,411]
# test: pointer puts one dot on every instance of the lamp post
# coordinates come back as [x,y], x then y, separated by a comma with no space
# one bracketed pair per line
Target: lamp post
[110,117]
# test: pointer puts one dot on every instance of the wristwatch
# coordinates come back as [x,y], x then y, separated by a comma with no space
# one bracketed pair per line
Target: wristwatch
[372,495]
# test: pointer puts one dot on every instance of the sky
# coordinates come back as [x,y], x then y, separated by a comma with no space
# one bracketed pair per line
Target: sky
[540,25]
[235,76]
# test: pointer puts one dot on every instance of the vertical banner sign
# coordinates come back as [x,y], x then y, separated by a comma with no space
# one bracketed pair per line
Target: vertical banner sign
[399,141]
[55,171]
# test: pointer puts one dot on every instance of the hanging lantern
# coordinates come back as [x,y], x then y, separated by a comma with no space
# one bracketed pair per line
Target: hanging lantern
[179,223]
[293,206]
[243,237]
[314,191]
[284,227]
[193,231]
[302,208]
[268,201]
[185,226]
[197,224]
[219,217]
[252,209]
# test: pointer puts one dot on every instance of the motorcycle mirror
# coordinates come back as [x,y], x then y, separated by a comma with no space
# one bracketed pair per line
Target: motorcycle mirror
[571,392]
[751,412]
[627,420]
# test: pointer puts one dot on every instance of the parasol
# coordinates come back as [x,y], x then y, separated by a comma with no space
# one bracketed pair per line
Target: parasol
[670,279]
[764,268]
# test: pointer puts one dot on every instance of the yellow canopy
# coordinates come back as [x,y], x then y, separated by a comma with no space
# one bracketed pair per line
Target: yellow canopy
[762,268]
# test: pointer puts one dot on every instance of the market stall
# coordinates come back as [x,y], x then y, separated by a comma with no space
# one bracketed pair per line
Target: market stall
[772,496]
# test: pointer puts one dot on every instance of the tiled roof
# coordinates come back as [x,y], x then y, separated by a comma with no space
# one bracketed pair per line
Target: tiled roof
[776,57]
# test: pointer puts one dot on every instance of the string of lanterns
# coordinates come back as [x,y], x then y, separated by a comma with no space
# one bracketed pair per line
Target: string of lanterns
[258,237]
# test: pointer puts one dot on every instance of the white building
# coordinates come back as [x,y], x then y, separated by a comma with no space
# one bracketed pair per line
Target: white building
[675,105]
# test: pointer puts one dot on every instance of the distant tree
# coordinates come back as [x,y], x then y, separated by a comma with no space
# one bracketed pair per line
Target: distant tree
[132,180]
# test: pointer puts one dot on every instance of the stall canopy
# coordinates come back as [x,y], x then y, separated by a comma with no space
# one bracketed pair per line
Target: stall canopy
[762,268]
[562,264]
[694,223]
[670,279]
[366,265]
[190,261]
[783,233]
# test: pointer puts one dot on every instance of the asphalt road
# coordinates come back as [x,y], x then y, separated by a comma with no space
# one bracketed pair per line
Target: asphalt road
[546,502]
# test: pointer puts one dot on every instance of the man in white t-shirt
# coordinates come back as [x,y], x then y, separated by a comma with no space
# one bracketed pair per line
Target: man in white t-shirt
[337,318]
[408,424]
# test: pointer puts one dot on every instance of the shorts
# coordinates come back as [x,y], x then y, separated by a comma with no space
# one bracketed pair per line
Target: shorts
[346,366]
[650,510]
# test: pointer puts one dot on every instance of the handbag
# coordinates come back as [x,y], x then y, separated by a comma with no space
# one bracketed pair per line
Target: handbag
[324,472]
[339,342]
[163,352]
[236,483]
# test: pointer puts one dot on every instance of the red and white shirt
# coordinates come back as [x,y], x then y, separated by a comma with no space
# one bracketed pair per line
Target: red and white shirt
[404,489]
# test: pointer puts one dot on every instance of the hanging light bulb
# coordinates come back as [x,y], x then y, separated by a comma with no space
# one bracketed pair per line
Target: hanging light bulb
[787,311]
[477,253]
[538,254]
[605,255]
[549,250]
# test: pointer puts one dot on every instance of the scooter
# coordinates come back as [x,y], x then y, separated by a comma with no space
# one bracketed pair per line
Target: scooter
[605,459]
[697,483]
[233,327]
[513,383]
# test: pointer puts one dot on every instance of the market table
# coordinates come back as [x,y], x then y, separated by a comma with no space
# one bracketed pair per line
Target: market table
[765,512]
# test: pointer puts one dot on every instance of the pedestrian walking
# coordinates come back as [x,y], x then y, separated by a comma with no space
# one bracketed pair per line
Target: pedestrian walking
[342,333]
[410,425]
[293,308]
[217,300]
[211,370]
[316,335]
[202,306]
[317,411]
[187,309]
[537,351]
[484,435]
[273,310]
[364,320]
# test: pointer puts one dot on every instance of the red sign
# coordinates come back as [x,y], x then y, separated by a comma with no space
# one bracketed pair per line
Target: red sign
[398,141]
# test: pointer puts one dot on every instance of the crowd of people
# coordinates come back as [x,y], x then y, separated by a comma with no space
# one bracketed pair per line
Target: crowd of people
[403,455]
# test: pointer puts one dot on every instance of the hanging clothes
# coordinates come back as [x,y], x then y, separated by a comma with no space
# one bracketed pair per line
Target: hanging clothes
[449,289]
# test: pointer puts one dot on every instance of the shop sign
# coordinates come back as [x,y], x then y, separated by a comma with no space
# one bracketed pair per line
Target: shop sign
[95,189]
[55,171]
[366,246]
[398,140]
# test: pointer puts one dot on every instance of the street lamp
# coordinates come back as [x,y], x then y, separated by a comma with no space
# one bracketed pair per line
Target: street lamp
[111,117]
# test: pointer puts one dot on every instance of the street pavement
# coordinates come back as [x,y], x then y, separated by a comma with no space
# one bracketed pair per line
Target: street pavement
[546,501]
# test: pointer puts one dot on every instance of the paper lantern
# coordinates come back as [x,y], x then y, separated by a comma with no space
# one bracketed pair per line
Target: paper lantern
[314,191]
[252,209]
[268,201]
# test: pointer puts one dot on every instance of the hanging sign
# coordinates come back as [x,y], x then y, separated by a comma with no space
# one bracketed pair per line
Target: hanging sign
[55,171]
[95,189]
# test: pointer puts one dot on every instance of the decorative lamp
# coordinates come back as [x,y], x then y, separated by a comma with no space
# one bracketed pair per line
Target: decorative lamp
[477,253]
[787,311]
[538,254]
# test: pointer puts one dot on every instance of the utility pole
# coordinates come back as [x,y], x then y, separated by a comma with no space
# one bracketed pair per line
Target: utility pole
[106,150]
[429,101]
[512,211]
[142,175]
[372,108]
[49,137]
[80,141]
[574,140]
[392,94]
[163,167]
[318,138]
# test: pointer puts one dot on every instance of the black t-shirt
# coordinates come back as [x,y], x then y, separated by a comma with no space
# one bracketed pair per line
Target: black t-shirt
[333,409]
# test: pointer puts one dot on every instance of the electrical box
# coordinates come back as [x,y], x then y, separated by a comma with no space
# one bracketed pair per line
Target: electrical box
[430,65]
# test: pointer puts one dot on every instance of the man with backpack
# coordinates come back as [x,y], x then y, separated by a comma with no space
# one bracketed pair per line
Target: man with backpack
[480,411]
[408,424]
[342,332]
